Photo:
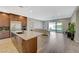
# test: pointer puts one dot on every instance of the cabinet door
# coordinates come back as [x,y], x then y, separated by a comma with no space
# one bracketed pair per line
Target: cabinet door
[5,34]
[13,17]
[23,20]
[19,43]
[30,46]
[1,36]
[4,19]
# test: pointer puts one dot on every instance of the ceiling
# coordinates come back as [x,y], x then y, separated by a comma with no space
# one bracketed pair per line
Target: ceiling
[41,12]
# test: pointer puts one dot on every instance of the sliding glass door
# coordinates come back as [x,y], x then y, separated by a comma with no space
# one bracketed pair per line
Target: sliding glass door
[52,26]
[55,26]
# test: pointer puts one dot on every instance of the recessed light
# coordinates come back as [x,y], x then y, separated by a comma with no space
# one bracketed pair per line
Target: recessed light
[4,14]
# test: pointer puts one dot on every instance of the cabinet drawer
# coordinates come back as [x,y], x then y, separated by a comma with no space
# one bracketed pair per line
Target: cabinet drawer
[4,35]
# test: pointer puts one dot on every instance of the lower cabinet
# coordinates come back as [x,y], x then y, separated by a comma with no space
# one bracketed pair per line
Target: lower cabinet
[25,46]
[30,46]
[4,34]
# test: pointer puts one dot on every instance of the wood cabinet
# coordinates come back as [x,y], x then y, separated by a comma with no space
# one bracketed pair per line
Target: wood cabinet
[4,34]
[4,20]
[30,46]
[13,17]
[19,18]
[17,41]
[4,24]
[25,46]
[23,20]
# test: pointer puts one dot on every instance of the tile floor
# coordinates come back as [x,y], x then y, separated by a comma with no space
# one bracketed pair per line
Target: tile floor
[6,46]
[55,43]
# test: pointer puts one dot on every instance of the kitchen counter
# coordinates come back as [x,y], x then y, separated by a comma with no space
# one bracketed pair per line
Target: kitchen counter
[25,42]
[26,35]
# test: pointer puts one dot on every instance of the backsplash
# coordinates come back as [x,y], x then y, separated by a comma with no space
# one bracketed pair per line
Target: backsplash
[4,28]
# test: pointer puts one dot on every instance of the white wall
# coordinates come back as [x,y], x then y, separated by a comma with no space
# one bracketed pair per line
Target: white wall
[77,26]
[34,24]
[73,18]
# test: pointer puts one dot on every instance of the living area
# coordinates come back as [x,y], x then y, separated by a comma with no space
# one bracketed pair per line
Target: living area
[39,29]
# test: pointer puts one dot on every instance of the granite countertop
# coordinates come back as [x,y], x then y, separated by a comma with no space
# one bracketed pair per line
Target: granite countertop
[26,35]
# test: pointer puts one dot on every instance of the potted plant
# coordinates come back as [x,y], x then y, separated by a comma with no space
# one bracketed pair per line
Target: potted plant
[71,30]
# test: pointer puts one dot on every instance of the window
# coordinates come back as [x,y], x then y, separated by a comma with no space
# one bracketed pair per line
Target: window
[55,26]
[52,26]
[59,27]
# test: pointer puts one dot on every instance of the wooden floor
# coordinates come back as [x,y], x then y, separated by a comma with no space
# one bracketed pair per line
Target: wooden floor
[55,43]
[59,43]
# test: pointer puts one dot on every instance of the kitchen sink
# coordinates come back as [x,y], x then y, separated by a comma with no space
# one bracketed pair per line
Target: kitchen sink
[19,32]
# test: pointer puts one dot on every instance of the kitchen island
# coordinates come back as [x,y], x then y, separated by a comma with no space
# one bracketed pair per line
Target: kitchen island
[26,41]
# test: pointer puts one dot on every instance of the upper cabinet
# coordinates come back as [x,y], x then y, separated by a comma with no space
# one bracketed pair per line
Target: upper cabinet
[13,17]
[4,25]
[23,20]
[18,18]
[4,19]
